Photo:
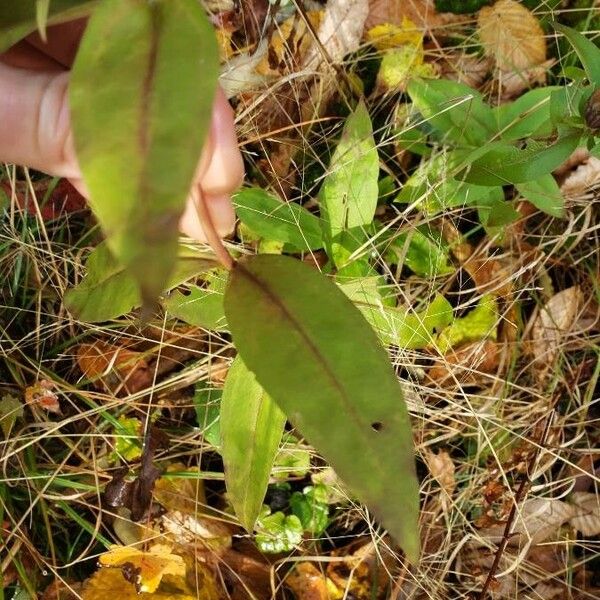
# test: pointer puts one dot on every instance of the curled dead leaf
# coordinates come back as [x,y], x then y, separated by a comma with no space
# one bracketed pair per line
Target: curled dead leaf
[42,395]
[583,180]
[307,582]
[442,469]
[113,368]
[586,519]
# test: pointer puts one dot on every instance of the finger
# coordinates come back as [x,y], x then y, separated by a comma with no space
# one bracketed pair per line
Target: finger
[221,169]
[219,208]
[34,121]
[25,56]
[62,41]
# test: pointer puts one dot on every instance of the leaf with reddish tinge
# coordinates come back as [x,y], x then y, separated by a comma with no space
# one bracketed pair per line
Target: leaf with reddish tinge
[141,97]
[317,357]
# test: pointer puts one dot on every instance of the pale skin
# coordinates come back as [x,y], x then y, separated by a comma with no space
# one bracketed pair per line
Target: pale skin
[35,127]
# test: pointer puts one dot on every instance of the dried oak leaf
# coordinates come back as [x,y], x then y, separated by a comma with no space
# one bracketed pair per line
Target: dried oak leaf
[442,469]
[511,35]
[114,368]
[587,513]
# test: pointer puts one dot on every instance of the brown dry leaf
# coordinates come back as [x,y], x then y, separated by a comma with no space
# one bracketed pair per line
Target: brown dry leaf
[307,582]
[42,395]
[552,323]
[512,36]
[62,590]
[442,469]
[114,368]
[144,570]
[420,12]
[469,364]
[184,494]
[516,82]
[470,69]
[583,179]
[587,513]
[196,530]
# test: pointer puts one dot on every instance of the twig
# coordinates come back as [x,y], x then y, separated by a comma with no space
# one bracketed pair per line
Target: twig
[519,497]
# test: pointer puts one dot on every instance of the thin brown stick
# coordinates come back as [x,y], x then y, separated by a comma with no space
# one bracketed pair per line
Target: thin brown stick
[519,497]
[212,237]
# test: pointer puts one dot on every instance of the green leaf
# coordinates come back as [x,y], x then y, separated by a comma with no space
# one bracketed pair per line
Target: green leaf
[11,409]
[292,460]
[587,51]
[251,429]
[312,508]
[422,254]
[200,306]
[455,110]
[528,116]
[207,402]
[317,357]
[544,193]
[507,164]
[278,533]
[348,195]
[479,324]
[273,219]
[495,212]
[128,434]
[141,98]
[41,16]
[19,18]
[109,291]
[403,328]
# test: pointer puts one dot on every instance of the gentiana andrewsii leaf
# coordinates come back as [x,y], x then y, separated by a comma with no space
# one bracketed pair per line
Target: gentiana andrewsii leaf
[109,291]
[587,51]
[317,357]
[141,98]
[273,219]
[19,18]
[251,429]
[348,195]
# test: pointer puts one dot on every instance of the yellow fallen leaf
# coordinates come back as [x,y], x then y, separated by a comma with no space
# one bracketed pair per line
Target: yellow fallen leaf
[512,35]
[387,35]
[144,570]
[184,494]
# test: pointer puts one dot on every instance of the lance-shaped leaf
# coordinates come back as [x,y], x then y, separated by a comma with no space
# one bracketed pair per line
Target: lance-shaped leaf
[587,51]
[317,357]
[141,96]
[19,18]
[251,429]
[348,196]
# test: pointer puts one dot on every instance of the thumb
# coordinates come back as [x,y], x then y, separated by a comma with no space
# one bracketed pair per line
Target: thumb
[34,121]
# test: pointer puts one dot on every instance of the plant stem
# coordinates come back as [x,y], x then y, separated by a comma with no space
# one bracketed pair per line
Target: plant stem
[212,237]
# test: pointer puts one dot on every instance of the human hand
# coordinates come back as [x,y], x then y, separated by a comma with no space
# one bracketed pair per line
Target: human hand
[35,126]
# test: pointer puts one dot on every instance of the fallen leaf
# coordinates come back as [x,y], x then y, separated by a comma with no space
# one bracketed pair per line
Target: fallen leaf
[420,12]
[468,364]
[113,368]
[307,582]
[11,409]
[144,570]
[42,396]
[442,469]
[511,35]
[184,494]
[554,321]
[469,69]
[583,180]
[586,519]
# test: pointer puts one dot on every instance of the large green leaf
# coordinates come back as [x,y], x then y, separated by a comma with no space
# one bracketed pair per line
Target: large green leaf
[588,52]
[251,429]
[453,109]
[141,97]
[348,195]
[317,357]
[507,164]
[109,291]
[19,18]
[273,219]
[544,193]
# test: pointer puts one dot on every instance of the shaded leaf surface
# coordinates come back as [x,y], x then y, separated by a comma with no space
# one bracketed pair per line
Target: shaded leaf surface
[141,97]
[321,362]
[251,429]
[20,17]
